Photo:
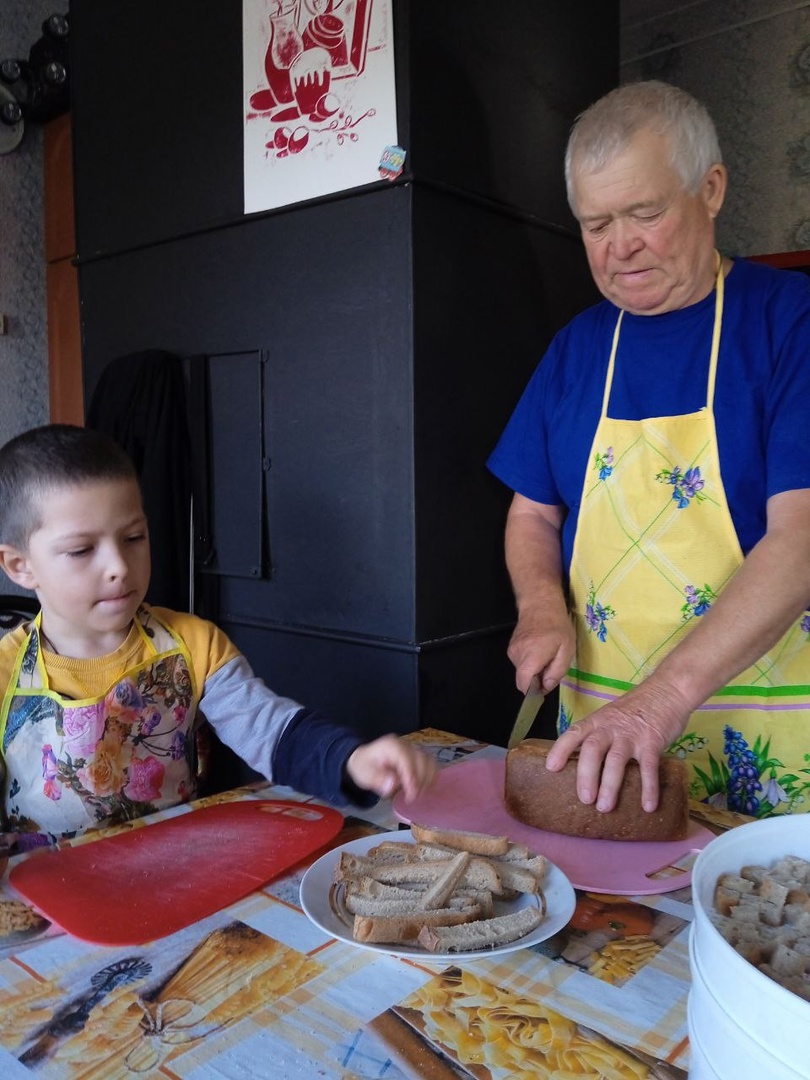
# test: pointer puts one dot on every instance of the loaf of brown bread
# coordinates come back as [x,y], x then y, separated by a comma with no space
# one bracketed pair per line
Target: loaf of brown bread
[548,800]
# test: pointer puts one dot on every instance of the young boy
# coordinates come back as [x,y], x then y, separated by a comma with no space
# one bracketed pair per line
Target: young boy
[102,694]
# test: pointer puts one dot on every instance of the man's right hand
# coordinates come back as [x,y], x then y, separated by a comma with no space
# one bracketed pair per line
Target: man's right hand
[542,645]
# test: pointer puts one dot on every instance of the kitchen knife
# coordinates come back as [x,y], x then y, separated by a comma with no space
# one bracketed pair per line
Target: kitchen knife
[527,714]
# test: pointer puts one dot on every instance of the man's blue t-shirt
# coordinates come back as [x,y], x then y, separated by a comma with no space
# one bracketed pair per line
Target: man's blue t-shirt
[761,405]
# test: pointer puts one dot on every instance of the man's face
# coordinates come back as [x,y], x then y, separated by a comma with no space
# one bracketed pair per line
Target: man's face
[650,244]
[89,563]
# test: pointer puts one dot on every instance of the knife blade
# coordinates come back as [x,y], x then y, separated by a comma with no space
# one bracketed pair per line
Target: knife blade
[527,713]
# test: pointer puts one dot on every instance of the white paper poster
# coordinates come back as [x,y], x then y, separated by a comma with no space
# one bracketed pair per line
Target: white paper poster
[319,98]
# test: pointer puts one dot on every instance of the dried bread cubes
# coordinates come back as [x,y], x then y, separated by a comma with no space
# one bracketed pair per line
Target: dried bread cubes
[764,914]
[548,800]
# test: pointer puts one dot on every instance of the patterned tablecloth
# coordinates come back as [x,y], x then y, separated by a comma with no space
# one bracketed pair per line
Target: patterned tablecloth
[257,990]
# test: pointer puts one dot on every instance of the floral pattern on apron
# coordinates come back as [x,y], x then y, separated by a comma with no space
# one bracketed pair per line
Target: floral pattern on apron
[73,765]
[655,546]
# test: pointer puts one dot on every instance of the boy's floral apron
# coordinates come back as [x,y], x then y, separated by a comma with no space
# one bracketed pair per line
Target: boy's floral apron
[655,546]
[71,765]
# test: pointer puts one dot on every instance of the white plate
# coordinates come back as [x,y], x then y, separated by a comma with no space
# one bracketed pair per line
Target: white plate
[317,900]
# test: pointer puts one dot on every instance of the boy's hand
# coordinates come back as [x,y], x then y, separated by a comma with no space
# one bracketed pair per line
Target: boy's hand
[389,765]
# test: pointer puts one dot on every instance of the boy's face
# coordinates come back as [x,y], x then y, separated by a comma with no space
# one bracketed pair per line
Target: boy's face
[88,563]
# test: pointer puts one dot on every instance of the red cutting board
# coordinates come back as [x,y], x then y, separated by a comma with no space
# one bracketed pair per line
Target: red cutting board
[469,795]
[153,880]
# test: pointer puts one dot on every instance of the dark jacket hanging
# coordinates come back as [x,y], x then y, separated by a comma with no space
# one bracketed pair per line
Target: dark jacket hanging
[140,401]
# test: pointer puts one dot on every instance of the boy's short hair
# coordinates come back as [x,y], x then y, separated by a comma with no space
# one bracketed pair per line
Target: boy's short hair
[51,456]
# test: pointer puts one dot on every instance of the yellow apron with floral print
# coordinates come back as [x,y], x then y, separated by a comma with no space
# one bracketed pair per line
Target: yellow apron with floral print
[655,545]
[72,765]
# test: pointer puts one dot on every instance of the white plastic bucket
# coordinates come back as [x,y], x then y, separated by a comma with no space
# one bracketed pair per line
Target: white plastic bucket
[700,1067]
[731,1001]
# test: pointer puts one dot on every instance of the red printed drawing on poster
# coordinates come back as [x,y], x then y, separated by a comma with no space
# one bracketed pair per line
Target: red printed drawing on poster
[319,98]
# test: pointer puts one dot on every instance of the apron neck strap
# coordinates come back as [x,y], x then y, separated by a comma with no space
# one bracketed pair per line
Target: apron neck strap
[719,293]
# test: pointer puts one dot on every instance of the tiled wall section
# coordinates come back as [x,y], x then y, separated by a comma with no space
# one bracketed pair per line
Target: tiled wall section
[24,348]
[749,62]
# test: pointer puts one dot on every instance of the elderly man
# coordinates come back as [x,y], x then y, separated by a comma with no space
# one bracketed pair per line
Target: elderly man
[659,536]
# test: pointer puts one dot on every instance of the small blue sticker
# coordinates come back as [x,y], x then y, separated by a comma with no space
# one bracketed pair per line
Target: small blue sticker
[392,162]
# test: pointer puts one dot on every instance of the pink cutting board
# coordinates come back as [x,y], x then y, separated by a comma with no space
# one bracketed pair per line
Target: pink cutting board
[153,880]
[469,795]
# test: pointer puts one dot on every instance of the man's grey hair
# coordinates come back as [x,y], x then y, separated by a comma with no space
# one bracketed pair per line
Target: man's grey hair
[603,131]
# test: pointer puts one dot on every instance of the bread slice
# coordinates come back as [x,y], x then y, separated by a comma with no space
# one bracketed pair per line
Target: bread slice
[478,874]
[393,851]
[439,892]
[378,890]
[477,843]
[516,879]
[548,800]
[405,928]
[482,934]
[363,905]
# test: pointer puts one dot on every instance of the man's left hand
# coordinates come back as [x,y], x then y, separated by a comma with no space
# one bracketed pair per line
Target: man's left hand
[638,726]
